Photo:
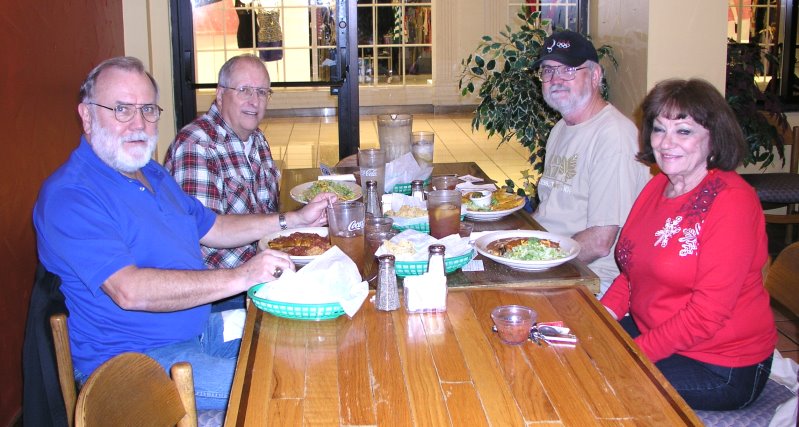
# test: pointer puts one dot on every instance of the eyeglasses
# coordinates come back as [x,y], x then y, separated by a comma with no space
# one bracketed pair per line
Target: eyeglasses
[125,112]
[546,73]
[246,92]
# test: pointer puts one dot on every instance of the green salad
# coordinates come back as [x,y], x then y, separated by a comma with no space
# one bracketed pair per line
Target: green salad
[527,249]
[326,186]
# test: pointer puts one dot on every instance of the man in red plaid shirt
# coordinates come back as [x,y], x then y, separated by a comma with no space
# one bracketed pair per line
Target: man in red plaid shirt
[222,157]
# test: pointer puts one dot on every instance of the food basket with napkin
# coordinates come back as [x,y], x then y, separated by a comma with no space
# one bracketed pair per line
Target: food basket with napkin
[401,171]
[326,288]
[410,252]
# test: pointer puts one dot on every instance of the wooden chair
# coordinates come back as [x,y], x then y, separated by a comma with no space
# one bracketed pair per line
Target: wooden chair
[780,189]
[782,281]
[133,389]
[66,372]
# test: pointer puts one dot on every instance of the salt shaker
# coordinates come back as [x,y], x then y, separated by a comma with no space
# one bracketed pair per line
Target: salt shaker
[386,296]
[435,259]
[372,200]
[417,189]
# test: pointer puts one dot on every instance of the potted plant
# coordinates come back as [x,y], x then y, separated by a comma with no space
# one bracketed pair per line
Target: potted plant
[759,112]
[511,103]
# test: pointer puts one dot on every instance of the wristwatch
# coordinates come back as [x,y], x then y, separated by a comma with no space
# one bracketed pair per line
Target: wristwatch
[281,219]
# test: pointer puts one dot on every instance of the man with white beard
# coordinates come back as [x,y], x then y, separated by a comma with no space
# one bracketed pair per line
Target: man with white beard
[591,177]
[125,241]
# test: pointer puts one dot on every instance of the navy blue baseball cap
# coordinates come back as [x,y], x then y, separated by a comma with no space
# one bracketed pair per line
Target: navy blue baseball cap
[568,48]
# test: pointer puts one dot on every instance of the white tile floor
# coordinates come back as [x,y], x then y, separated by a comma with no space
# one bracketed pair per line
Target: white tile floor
[304,142]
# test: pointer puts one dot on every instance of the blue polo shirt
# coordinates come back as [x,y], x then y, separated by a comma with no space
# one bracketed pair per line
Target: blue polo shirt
[91,221]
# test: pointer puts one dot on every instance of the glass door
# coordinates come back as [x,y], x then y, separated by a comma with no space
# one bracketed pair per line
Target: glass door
[303,43]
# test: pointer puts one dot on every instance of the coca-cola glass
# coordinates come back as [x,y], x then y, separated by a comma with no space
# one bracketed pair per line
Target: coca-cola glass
[346,222]
[372,163]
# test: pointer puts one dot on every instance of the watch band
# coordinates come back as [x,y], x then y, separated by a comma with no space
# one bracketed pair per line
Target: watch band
[281,219]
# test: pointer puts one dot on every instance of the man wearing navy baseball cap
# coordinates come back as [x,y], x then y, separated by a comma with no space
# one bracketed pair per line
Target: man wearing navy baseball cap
[591,177]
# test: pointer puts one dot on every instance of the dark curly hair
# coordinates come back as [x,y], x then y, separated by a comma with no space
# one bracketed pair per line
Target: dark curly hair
[698,99]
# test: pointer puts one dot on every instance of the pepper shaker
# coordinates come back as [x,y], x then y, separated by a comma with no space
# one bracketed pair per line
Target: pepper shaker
[372,200]
[387,295]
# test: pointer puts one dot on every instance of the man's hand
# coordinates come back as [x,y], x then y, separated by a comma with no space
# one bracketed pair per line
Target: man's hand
[314,214]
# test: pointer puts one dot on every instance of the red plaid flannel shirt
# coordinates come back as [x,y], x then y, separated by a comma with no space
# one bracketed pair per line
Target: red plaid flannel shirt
[208,160]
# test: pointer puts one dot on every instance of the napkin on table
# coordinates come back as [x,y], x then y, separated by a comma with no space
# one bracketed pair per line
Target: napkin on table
[330,277]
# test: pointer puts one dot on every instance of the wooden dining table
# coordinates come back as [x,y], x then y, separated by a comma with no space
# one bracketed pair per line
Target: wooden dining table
[449,369]
[574,272]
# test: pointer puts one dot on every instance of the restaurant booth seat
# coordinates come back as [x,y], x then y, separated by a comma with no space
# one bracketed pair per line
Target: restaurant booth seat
[780,189]
[781,280]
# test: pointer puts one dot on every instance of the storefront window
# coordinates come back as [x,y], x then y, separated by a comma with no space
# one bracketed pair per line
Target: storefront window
[294,38]
[395,42]
[555,14]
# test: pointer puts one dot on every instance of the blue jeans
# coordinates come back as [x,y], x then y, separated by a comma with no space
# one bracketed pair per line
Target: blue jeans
[709,387]
[213,363]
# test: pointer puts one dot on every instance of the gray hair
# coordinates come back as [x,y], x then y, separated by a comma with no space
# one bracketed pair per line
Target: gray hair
[227,68]
[127,63]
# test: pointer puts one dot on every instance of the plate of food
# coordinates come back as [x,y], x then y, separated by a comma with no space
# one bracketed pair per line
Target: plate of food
[302,244]
[528,250]
[501,205]
[345,190]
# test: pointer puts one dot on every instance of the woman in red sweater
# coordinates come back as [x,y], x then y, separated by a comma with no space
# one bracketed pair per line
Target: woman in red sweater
[692,251]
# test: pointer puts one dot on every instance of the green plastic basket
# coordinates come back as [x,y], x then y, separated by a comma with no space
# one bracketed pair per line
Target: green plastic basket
[424,227]
[406,188]
[415,268]
[293,310]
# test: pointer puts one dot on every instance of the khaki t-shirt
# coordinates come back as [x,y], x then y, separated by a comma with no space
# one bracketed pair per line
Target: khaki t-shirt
[591,178]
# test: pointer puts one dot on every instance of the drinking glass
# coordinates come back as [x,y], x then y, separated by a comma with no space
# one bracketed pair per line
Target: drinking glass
[444,212]
[444,182]
[372,163]
[422,147]
[346,229]
[373,241]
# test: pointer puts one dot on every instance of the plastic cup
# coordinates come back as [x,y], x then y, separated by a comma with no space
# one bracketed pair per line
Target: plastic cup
[444,212]
[372,165]
[444,182]
[513,323]
[374,223]
[422,147]
[346,229]
[373,241]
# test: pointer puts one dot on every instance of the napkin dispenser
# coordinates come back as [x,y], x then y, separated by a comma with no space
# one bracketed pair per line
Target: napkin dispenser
[426,293]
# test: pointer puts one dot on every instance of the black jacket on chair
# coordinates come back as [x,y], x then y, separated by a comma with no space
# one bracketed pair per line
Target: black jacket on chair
[42,401]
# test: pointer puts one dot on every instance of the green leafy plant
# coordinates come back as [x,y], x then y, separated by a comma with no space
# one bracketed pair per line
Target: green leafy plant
[511,102]
[760,112]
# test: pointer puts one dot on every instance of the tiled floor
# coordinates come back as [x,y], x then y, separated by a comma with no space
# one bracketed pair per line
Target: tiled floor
[304,142]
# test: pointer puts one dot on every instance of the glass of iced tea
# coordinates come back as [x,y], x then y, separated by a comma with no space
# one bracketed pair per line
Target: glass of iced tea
[374,239]
[444,212]
[346,222]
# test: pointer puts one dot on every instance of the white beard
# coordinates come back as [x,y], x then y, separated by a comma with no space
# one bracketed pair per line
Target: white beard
[110,149]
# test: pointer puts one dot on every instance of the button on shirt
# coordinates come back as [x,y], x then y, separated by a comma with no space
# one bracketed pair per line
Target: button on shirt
[226,174]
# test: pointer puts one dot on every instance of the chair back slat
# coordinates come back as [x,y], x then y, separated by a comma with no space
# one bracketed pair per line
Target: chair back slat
[63,355]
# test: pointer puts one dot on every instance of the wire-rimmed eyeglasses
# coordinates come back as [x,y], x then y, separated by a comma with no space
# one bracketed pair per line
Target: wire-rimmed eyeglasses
[246,92]
[125,112]
[546,73]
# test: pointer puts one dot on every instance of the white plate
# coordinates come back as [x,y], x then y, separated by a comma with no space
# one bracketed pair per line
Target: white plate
[296,192]
[298,260]
[571,247]
[491,215]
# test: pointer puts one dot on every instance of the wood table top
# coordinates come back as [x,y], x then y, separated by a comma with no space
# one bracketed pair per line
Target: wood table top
[574,272]
[395,368]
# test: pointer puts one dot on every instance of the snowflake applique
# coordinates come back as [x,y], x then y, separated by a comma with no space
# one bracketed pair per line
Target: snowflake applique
[690,240]
[670,229]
